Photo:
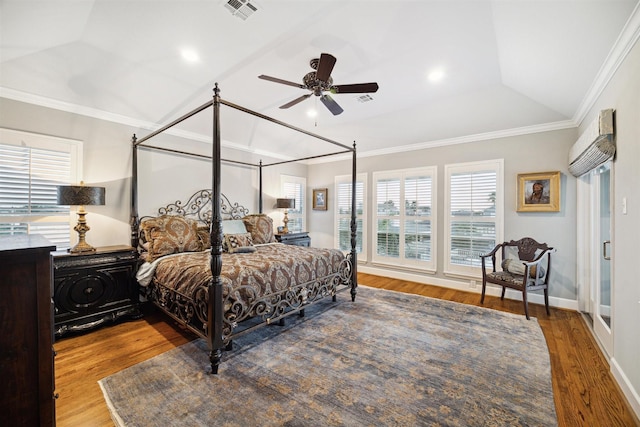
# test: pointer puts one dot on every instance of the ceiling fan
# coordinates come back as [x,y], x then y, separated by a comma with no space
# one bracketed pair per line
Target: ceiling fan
[320,81]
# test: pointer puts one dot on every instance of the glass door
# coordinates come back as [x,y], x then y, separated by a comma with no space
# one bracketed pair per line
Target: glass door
[601,289]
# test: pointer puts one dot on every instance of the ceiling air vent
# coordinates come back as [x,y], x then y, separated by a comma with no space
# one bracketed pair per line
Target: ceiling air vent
[241,8]
[364,98]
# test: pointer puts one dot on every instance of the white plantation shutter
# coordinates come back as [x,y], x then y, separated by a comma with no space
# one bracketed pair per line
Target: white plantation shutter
[294,187]
[417,223]
[343,213]
[388,209]
[404,202]
[31,168]
[474,222]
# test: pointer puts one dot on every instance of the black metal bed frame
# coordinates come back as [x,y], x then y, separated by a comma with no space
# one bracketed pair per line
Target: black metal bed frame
[215,326]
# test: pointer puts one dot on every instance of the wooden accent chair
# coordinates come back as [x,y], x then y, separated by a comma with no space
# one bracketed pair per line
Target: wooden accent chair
[525,266]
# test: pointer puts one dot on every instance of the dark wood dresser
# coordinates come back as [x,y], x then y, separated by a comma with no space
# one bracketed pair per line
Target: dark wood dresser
[26,332]
[94,288]
[299,239]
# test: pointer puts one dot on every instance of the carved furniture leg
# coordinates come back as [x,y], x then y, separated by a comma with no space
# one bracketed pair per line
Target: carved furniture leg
[526,303]
[546,301]
[214,357]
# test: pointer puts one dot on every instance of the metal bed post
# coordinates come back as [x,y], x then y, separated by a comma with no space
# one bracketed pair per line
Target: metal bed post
[214,312]
[354,228]
[133,221]
[260,188]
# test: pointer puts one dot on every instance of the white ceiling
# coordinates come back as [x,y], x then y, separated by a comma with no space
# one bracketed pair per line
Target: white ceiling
[510,66]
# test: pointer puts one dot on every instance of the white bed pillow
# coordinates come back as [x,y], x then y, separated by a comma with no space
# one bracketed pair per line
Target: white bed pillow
[233,226]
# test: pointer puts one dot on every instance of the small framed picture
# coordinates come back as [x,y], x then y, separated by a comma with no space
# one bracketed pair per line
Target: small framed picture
[320,199]
[539,192]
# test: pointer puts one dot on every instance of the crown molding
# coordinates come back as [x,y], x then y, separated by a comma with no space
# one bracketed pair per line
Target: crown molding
[525,130]
[123,120]
[150,126]
[618,53]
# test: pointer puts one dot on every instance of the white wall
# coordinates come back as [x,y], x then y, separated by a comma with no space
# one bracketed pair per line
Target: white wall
[623,94]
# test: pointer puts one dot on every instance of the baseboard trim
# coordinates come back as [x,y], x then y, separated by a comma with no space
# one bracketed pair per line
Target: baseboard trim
[470,285]
[625,385]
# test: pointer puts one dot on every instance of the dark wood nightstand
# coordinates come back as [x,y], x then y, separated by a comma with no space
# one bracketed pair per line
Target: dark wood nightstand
[91,289]
[297,239]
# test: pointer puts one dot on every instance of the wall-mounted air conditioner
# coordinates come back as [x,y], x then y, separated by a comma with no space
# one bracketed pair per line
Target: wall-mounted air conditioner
[595,146]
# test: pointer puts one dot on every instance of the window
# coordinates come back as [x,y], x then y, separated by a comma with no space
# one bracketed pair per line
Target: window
[343,213]
[31,168]
[294,187]
[404,202]
[474,215]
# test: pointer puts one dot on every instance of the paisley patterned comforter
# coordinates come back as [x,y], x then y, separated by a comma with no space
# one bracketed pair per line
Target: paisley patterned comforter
[265,283]
[272,268]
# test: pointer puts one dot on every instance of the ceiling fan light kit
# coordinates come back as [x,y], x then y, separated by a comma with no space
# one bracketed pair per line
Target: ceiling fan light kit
[320,81]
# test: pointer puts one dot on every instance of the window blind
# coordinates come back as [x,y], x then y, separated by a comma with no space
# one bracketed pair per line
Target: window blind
[473,221]
[28,192]
[343,213]
[294,187]
[403,218]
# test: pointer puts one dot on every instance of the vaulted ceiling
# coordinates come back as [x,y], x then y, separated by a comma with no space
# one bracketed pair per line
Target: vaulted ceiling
[507,66]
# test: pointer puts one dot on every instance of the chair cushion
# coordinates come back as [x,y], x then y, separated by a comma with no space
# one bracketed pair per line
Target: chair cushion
[505,276]
[515,266]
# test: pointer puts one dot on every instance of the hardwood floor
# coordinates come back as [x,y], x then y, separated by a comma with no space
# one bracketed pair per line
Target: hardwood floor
[584,390]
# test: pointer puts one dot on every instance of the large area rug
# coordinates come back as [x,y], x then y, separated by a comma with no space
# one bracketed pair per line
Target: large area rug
[387,359]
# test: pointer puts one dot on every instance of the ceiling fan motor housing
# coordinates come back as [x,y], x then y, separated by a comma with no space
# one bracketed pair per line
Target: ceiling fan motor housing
[311,82]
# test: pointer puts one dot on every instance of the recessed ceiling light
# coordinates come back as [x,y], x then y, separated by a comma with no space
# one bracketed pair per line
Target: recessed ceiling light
[436,75]
[190,55]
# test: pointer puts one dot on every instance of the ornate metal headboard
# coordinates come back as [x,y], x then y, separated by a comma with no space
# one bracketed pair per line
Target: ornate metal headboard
[198,207]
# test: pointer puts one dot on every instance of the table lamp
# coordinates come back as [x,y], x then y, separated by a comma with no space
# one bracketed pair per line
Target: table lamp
[81,195]
[285,204]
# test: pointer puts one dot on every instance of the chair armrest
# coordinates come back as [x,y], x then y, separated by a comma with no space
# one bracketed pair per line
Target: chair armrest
[538,264]
[491,255]
[493,251]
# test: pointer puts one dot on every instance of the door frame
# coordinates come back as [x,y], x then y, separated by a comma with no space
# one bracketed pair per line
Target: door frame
[589,251]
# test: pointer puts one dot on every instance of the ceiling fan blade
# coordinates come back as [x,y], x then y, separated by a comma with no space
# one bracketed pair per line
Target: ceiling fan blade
[355,88]
[277,80]
[295,101]
[325,66]
[331,105]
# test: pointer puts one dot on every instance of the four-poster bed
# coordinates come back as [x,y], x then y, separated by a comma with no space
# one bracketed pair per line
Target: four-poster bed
[230,297]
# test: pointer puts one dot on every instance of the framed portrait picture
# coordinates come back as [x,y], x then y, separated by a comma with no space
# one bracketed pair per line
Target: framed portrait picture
[320,199]
[539,192]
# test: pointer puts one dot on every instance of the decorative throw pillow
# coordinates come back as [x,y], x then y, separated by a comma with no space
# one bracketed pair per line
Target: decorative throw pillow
[515,266]
[169,234]
[205,237]
[237,243]
[261,228]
